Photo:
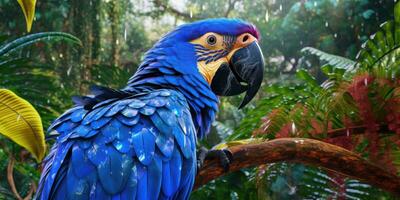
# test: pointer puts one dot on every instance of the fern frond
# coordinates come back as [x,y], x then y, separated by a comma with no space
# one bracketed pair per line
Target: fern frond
[334,60]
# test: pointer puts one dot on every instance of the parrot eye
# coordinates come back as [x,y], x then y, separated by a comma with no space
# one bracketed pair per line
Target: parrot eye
[211,40]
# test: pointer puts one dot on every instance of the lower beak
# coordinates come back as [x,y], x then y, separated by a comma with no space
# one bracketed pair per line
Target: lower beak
[244,73]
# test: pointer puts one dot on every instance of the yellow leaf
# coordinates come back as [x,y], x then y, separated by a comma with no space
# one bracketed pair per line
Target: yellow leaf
[20,122]
[28,7]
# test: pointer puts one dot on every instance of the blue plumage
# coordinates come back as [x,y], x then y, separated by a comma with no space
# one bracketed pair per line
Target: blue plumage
[138,142]
[103,153]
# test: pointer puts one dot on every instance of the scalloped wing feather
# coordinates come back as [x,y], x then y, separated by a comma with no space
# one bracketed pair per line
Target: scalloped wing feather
[139,147]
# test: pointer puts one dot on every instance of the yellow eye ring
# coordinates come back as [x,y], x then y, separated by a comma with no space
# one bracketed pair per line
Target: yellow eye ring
[211,40]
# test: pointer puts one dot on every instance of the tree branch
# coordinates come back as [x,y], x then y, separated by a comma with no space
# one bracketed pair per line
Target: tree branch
[306,151]
[11,182]
[353,130]
[231,6]
[170,9]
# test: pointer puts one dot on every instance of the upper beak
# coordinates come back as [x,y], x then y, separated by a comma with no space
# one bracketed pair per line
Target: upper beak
[244,73]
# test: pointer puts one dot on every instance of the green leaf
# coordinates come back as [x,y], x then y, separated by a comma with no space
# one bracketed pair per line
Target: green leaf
[334,60]
[304,75]
[37,37]
[381,52]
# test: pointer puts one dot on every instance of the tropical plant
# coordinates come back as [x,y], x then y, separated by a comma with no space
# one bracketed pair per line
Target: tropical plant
[355,108]
[20,121]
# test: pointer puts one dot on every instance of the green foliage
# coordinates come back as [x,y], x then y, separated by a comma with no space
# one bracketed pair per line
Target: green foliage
[333,60]
[380,53]
[29,79]
[39,85]
[350,96]
[242,185]
[19,43]
[296,181]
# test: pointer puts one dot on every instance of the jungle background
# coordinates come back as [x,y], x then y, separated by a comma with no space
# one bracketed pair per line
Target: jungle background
[347,81]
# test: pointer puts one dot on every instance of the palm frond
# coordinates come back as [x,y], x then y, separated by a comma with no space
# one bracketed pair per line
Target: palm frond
[333,60]
[27,40]
[297,181]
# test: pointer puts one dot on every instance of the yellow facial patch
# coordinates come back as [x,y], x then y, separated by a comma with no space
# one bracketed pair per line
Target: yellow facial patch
[208,70]
[212,50]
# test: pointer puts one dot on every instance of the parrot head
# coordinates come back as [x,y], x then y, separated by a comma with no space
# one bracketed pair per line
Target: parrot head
[224,53]
[229,58]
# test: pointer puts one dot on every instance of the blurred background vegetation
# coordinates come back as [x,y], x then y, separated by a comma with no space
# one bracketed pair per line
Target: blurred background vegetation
[307,92]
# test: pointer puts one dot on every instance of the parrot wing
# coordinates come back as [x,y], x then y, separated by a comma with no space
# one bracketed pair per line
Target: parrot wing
[139,147]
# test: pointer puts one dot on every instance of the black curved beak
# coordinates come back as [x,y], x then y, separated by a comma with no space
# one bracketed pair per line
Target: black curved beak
[244,73]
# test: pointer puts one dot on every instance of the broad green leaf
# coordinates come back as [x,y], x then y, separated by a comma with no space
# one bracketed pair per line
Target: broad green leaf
[20,122]
[28,7]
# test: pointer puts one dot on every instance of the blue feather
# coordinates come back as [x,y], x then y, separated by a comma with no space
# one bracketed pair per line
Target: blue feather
[129,112]
[142,182]
[172,174]
[154,178]
[128,121]
[97,153]
[100,122]
[77,188]
[165,144]
[136,104]
[85,144]
[78,115]
[101,113]
[80,164]
[147,110]
[157,102]
[116,107]
[122,146]
[144,145]
[130,190]
[114,171]
[97,192]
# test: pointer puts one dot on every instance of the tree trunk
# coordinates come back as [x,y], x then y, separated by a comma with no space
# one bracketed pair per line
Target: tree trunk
[86,25]
[96,30]
[306,151]
[116,14]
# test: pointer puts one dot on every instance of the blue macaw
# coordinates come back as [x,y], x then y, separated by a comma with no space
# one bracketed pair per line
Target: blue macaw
[139,142]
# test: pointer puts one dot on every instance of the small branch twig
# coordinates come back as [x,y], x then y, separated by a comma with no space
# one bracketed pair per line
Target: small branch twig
[306,151]
[11,182]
